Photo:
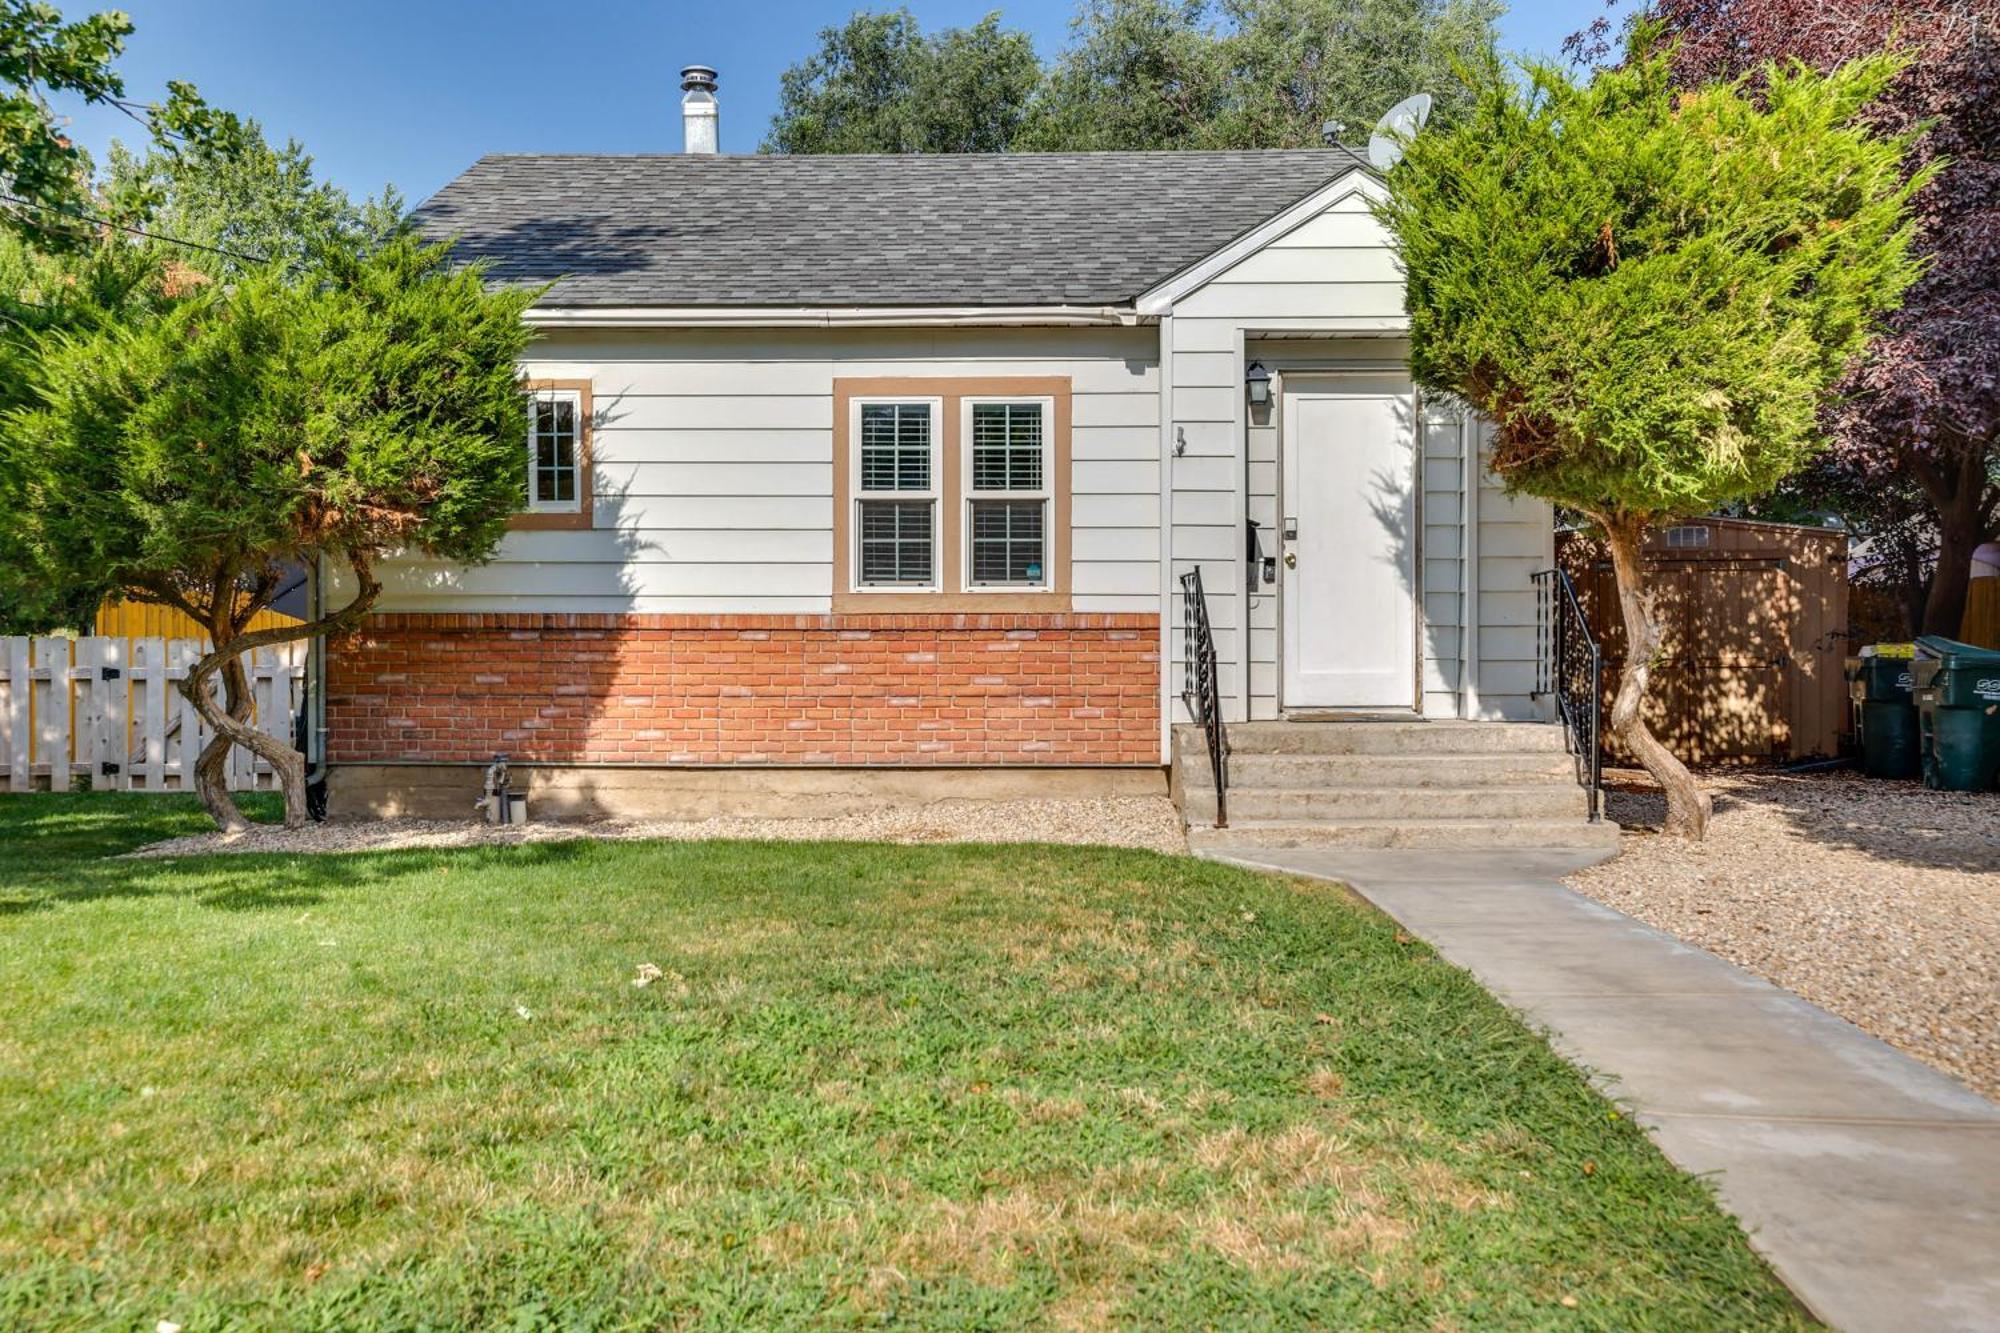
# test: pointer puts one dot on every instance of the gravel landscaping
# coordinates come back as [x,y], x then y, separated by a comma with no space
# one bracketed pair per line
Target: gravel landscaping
[1149,823]
[1878,901]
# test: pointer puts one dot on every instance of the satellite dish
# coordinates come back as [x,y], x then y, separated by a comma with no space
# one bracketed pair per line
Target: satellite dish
[1399,125]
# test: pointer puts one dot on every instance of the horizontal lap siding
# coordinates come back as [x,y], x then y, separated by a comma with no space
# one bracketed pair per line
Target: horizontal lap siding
[1333,271]
[713,452]
[1516,538]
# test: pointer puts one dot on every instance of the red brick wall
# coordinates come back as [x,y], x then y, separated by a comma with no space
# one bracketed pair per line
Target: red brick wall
[832,689]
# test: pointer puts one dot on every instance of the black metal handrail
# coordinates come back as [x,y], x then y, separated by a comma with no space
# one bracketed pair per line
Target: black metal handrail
[1569,666]
[1199,690]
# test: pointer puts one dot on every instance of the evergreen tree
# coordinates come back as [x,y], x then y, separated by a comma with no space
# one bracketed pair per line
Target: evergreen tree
[183,450]
[1651,290]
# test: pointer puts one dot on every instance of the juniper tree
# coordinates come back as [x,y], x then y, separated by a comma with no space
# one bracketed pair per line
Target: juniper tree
[1650,291]
[184,455]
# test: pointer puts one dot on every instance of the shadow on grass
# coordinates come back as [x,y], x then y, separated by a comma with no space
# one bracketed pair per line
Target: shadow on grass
[69,850]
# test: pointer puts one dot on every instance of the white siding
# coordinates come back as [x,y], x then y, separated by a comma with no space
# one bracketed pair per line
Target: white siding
[713,452]
[1330,273]
[1334,276]
[1516,537]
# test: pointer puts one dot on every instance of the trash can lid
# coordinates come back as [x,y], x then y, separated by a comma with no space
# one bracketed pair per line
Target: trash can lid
[1889,650]
[1955,655]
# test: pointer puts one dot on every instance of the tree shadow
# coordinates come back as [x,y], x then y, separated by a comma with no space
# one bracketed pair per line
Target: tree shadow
[1739,679]
[1901,823]
[577,253]
[267,881]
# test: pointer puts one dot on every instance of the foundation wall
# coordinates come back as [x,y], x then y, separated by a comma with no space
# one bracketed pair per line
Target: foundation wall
[447,791]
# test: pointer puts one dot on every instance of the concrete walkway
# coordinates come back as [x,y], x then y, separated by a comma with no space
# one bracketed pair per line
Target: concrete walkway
[1871,1182]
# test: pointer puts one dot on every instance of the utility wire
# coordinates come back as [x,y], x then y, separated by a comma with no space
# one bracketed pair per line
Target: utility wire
[103,221]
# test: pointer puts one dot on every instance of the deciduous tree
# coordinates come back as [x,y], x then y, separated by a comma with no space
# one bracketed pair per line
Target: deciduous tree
[1652,290]
[1922,410]
[1137,74]
[877,84]
[45,188]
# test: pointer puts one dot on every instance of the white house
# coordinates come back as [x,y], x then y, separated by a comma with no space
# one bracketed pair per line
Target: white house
[878,476]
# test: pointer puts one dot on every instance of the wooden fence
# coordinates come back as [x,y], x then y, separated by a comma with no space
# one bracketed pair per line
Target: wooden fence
[108,710]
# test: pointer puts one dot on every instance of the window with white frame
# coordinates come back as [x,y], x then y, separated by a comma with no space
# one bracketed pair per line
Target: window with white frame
[896,495]
[1008,495]
[555,454]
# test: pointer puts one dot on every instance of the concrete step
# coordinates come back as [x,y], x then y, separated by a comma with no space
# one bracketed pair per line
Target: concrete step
[1388,770]
[1247,835]
[1549,800]
[1385,738]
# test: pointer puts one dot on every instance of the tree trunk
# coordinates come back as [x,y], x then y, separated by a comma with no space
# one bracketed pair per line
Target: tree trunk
[211,767]
[1963,499]
[1688,807]
[1951,583]
[233,727]
[232,723]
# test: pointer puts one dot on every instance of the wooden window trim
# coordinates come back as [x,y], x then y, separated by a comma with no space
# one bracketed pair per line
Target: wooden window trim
[581,518]
[954,391]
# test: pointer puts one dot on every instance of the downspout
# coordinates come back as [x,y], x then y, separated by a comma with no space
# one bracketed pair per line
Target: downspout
[316,679]
[1168,583]
[1468,574]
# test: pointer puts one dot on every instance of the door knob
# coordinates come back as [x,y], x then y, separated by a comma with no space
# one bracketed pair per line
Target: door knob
[1291,560]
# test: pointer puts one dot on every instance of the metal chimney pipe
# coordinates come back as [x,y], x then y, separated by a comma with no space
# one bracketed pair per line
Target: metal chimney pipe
[699,117]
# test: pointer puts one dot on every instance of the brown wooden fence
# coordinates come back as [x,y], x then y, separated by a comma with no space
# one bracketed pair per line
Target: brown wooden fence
[1755,618]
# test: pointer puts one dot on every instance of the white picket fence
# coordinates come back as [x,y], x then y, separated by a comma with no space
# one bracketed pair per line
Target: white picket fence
[108,709]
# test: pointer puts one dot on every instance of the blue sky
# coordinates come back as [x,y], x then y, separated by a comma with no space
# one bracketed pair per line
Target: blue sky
[410,93]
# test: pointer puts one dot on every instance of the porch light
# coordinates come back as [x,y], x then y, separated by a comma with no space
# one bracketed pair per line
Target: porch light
[1257,381]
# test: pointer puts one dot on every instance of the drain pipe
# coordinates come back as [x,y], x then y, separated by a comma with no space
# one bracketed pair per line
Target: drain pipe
[316,686]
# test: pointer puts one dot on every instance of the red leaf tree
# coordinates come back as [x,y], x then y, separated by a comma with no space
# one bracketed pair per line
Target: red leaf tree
[1922,410]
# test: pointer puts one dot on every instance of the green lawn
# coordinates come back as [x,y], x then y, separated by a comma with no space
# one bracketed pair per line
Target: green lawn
[951,1086]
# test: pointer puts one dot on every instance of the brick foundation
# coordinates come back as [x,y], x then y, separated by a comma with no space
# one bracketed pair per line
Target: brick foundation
[817,689]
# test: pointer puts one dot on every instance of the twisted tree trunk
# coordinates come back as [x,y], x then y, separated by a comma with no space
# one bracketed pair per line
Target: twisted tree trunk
[1688,806]
[230,719]
[211,767]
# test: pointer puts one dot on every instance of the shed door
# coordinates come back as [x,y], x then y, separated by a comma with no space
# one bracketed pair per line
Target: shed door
[1348,543]
[1722,690]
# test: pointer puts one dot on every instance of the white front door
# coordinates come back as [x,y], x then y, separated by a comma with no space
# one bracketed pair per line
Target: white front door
[1349,590]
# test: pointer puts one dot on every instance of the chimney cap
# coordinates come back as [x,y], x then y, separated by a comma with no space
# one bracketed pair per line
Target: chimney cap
[697,78]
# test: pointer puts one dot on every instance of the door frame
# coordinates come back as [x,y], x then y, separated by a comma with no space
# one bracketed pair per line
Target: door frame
[1306,381]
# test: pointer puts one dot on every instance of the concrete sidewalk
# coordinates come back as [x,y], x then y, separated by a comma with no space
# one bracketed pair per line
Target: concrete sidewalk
[1870,1181]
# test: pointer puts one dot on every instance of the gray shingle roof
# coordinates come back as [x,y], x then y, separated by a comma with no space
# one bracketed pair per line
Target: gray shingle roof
[1018,229]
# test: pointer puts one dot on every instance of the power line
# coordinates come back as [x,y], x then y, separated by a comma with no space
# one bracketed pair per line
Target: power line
[115,225]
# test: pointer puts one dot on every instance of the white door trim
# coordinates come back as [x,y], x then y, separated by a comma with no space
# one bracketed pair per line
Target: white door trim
[1295,387]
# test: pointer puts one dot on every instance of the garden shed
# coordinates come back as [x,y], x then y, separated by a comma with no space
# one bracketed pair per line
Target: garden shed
[1755,637]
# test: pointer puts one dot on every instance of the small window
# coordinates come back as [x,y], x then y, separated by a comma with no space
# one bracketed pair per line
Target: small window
[555,453]
[1008,497]
[896,496]
[1687,537]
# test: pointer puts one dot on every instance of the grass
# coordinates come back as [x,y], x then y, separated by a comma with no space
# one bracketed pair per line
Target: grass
[950,1086]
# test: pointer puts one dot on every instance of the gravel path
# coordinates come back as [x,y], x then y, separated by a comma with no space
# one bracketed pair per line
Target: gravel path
[1878,901]
[1147,822]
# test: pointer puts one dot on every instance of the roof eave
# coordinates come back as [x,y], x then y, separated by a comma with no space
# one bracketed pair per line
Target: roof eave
[824,317]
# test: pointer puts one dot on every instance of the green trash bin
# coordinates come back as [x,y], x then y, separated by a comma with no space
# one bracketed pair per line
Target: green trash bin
[1882,686]
[1958,708]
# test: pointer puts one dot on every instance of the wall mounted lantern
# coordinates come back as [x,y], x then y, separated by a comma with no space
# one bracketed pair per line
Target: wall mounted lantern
[1257,382]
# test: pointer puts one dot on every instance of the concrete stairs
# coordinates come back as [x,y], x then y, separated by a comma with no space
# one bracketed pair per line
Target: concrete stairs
[1387,783]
